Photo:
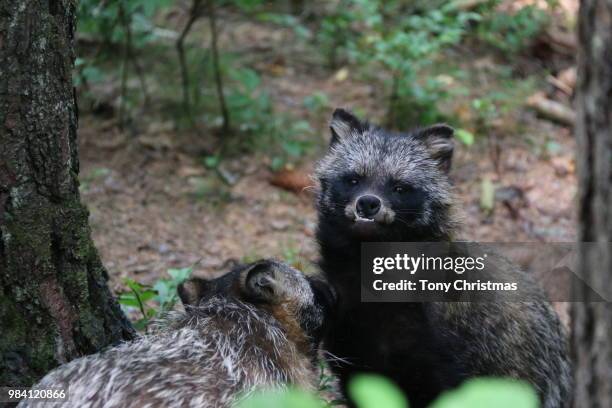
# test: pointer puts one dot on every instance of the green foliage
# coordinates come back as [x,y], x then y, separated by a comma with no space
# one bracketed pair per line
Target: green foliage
[316,102]
[327,383]
[166,288]
[498,107]
[139,298]
[110,20]
[282,399]
[489,392]
[511,32]
[336,33]
[259,126]
[151,301]
[395,45]
[86,73]
[374,391]
[402,40]
[464,136]
[286,20]
[402,44]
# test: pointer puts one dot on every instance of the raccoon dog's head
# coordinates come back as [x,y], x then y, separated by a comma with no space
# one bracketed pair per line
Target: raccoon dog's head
[380,185]
[301,304]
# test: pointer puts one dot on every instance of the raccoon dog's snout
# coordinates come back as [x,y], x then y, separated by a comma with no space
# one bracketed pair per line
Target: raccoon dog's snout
[368,206]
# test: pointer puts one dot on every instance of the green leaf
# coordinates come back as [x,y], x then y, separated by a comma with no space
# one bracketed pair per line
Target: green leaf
[250,79]
[212,161]
[128,299]
[465,137]
[180,275]
[163,291]
[141,324]
[282,399]
[277,163]
[293,148]
[374,391]
[301,126]
[489,392]
[553,148]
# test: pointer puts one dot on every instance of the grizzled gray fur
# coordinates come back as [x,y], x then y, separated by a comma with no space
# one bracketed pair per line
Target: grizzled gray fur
[380,186]
[256,327]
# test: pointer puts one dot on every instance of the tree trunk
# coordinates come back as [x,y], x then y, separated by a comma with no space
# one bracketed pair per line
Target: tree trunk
[54,301]
[591,321]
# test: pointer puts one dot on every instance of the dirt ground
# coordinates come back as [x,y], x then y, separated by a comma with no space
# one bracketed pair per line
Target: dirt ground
[155,206]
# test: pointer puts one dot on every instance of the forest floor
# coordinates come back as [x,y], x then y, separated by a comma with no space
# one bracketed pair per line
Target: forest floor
[154,205]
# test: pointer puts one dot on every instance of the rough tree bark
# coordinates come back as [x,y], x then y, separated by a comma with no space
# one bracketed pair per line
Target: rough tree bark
[592,322]
[54,301]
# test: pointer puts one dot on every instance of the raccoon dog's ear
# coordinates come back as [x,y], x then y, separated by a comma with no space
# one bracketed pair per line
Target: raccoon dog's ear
[342,124]
[263,282]
[439,142]
[193,290]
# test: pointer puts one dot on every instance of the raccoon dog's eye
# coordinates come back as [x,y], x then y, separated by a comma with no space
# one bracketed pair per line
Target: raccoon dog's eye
[400,189]
[352,180]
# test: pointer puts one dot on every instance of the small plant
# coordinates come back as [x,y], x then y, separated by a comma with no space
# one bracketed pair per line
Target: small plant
[511,32]
[316,102]
[326,379]
[151,301]
[124,23]
[402,45]
[336,33]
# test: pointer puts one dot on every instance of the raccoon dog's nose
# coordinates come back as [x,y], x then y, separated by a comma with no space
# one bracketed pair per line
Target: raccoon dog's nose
[368,206]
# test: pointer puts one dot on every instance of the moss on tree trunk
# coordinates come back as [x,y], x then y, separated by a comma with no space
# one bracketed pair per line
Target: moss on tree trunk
[55,304]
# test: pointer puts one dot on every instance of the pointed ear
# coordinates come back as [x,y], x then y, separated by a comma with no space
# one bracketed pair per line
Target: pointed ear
[193,290]
[344,123]
[262,282]
[439,142]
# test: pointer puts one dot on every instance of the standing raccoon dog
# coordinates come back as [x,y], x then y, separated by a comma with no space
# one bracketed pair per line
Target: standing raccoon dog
[258,326]
[376,185]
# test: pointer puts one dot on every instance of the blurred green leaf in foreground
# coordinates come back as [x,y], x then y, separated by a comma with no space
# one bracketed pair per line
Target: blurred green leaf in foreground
[374,391]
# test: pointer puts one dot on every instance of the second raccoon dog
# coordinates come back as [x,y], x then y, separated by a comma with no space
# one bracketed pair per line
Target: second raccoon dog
[376,185]
[258,326]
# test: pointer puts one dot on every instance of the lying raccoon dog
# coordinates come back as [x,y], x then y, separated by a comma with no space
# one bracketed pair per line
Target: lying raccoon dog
[258,326]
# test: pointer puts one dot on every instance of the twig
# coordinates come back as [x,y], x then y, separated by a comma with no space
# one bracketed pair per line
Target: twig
[194,14]
[141,77]
[124,65]
[216,67]
[140,305]
[560,85]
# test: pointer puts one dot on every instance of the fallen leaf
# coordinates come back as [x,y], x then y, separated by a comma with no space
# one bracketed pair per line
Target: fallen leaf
[292,180]
[487,195]
[341,75]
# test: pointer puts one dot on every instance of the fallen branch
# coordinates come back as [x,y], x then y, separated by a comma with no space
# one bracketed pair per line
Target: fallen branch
[552,110]
[561,42]
[565,81]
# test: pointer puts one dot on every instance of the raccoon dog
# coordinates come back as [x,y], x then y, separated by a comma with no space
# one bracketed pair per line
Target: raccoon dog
[258,326]
[377,185]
